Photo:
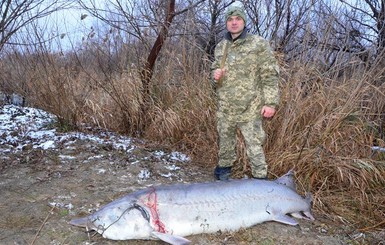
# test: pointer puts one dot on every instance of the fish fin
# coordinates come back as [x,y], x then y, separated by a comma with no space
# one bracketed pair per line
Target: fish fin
[303,215]
[171,239]
[287,180]
[298,215]
[309,198]
[309,215]
[81,222]
[278,216]
[283,218]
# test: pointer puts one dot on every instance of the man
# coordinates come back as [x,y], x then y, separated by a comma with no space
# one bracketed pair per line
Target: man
[247,92]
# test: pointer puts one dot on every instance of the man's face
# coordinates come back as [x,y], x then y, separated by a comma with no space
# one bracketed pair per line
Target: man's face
[235,25]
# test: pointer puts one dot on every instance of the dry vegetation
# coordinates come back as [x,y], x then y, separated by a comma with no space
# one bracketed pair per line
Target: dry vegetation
[325,128]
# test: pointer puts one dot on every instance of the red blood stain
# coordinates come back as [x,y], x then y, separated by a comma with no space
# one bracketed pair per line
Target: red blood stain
[151,201]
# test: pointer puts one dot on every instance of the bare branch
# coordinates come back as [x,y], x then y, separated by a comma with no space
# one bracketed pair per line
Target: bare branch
[17,15]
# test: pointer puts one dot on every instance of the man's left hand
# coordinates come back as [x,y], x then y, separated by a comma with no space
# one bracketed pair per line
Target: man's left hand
[267,111]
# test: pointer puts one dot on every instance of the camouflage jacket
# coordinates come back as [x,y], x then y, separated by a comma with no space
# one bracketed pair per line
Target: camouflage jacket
[251,78]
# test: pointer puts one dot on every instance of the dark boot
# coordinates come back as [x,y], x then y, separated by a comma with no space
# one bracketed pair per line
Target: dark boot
[260,178]
[222,173]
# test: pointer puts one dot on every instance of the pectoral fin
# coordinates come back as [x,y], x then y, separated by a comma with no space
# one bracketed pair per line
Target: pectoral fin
[171,239]
[283,218]
[278,216]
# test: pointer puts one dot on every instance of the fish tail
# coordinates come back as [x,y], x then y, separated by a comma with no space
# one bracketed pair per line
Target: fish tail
[309,198]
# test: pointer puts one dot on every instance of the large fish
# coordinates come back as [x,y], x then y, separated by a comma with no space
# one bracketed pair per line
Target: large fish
[170,213]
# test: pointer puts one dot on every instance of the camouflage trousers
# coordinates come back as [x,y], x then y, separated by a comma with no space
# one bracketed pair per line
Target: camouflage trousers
[254,136]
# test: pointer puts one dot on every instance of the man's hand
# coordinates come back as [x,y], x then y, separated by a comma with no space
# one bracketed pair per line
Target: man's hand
[267,111]
[218,74]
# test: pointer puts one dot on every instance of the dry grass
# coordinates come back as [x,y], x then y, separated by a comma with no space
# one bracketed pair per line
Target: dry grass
[324,129]
[183,115]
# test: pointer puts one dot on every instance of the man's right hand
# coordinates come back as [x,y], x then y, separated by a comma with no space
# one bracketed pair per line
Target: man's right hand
[267,111]
[219,73]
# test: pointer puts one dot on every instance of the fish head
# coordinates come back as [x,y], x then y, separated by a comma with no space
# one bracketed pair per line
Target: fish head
[119,222]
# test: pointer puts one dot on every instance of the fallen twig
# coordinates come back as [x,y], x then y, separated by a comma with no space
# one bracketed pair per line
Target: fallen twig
[372,227]
[42,225]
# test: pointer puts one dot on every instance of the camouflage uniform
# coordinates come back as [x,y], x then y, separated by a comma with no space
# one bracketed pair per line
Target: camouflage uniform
[250,81]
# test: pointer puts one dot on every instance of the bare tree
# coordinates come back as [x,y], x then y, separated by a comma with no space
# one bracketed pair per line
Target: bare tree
[212,25]
[368,18]
[149,22]
[15,15]
[279,21]
[141,19]
[148,68]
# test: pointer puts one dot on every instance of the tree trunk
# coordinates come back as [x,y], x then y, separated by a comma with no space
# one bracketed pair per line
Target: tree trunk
[148,68]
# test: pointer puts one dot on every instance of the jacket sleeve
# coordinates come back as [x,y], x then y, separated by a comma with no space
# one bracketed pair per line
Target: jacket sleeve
[216,64]
[269,76]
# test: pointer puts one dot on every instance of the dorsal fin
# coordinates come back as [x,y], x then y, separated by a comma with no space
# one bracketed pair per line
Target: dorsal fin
[287,179]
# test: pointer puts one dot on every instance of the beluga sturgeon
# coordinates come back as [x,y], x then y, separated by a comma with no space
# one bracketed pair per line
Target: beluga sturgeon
[172,212]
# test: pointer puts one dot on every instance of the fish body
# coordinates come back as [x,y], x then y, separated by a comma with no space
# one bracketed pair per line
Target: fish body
[171,212]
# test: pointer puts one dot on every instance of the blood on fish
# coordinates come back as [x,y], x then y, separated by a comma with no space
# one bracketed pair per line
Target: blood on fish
[151,201]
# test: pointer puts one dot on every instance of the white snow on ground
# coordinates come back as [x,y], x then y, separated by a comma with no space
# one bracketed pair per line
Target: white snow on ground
[25,127]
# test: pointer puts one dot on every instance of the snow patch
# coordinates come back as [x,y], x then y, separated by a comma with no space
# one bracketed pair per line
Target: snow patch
[24,128]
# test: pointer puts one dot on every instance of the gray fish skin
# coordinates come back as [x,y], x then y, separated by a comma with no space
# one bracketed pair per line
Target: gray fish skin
[171,212]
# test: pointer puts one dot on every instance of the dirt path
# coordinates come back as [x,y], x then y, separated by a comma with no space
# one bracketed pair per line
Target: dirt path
[41,190]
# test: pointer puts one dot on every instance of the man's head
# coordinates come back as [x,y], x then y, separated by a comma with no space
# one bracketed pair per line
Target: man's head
[236,11]
[235,20]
